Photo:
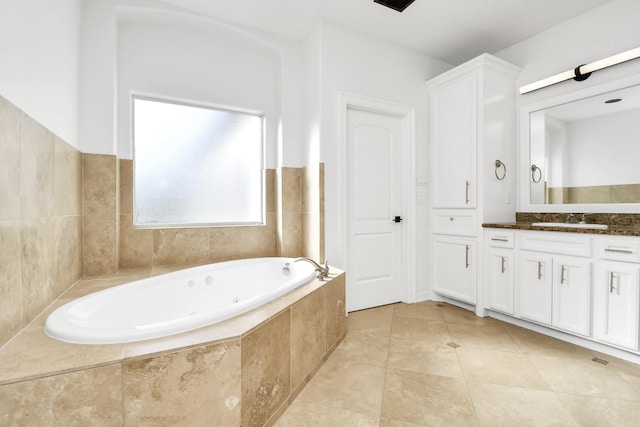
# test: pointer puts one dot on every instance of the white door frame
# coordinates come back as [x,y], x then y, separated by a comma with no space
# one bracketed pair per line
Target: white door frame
[407,115]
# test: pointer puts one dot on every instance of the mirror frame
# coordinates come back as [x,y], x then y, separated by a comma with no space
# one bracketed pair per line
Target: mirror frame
[524,162]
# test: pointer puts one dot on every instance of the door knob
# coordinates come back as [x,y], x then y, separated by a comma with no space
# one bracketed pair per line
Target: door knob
[397,219]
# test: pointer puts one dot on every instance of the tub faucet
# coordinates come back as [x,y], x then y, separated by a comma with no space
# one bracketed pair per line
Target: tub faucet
[322,270]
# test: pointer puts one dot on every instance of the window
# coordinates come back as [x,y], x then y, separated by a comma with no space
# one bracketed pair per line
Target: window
[196,165]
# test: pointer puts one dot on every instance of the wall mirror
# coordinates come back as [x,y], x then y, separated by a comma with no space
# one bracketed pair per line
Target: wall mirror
[582,149]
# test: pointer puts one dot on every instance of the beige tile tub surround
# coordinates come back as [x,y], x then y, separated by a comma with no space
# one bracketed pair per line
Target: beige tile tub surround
[40,218]
[242,371]
[282,235]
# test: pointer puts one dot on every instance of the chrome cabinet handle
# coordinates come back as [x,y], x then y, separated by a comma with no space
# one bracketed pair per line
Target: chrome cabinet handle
[562,270]
[466,255]
[539,270]
[620,251]
[611,287]
[503,268]
[466,192]
[499,239]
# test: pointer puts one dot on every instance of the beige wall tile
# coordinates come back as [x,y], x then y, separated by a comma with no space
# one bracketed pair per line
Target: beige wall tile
[9,160]
[185,246]
[126,186]
[308,336]
[10,280]
[135,245]
[199,386]
[336,310]
[291,234]
[271,188]
[68,179]
[629,193]
[37,175]
[100,251]
[265,370]
[99,183]
[38,265]
[291,190]
[68,252]
[87,398]
[599,194]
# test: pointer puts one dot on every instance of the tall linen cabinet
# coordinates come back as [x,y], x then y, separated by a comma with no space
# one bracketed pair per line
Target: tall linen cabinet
[472,126]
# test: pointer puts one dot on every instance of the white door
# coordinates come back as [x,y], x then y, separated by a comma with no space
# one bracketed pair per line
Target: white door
[374,192]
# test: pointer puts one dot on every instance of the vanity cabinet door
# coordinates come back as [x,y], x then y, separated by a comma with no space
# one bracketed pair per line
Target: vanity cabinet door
[535,287]
[616,300]
[453,125]
[572,294]
[455,268]
[500,277]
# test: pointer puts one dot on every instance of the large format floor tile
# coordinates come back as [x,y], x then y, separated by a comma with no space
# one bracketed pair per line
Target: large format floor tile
[434,364]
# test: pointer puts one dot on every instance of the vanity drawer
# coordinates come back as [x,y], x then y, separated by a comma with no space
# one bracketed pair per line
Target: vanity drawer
[459,223]
[501,238]
[555,243]
[622,249]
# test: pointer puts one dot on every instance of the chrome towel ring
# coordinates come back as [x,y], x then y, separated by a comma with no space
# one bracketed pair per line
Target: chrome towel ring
[499,165]
[535,169]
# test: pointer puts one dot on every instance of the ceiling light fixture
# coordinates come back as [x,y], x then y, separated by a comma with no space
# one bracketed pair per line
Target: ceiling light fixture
[582,72]
[398,5]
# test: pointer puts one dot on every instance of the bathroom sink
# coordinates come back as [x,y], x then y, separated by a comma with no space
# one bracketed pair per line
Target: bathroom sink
[567,225]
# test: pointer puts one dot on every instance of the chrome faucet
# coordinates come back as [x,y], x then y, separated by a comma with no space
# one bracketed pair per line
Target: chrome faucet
[322,270]
[571,219]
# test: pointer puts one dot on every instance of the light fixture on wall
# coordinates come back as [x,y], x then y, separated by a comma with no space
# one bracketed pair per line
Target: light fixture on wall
[398,5]
[582,72]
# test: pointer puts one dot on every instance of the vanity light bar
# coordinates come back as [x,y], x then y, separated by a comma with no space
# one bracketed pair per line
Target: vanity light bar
[582,72]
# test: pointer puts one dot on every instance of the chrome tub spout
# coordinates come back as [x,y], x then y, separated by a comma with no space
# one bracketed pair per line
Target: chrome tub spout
[322,270]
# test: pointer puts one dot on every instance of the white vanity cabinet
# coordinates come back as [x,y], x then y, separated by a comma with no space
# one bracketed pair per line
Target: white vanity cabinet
[453,130]
[455,268]
[584,284]
[616,292]
[500,271]
[471,125]
[554,286]
[535,287]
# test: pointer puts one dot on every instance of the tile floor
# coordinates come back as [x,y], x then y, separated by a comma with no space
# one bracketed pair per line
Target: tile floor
[434,364]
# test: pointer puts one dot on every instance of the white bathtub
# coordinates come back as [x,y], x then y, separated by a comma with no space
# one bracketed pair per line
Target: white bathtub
[176,302]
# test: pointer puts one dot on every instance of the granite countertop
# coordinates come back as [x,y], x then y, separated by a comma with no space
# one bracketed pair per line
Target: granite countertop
[618,230]
[619,224]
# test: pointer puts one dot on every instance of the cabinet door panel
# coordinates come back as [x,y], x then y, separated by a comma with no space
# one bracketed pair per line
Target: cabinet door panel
[453,129]
[499,294]
[572,294]
[616,303]
[535,287]
[454,269]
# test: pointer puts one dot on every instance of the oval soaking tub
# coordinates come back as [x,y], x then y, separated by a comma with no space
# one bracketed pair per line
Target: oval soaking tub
[176,302]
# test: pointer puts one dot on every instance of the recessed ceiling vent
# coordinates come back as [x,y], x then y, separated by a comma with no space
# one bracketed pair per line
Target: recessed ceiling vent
[398,5]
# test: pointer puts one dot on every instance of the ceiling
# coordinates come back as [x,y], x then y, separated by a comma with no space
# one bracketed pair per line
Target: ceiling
[450,30]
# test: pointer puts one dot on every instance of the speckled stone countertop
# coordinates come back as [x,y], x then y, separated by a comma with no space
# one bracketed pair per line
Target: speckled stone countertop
[619,224]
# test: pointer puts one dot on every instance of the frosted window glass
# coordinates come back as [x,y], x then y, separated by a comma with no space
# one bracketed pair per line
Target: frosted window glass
[195,165]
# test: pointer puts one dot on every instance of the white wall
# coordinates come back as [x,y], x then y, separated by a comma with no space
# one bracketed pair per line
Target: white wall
[39,57]
[216,67]
[357,64]
[607,30]
[601,146]
[169,51]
